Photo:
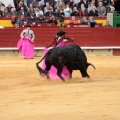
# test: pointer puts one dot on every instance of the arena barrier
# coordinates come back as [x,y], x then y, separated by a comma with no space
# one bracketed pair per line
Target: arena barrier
[92,40]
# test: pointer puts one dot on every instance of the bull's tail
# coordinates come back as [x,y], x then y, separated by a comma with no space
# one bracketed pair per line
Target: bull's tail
[38,67]
[88,64]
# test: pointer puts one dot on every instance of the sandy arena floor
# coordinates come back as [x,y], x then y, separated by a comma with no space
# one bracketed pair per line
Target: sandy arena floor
[25,95]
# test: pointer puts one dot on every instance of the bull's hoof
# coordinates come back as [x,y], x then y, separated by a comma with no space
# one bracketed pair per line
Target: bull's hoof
[84,76]
[88,76]
[63,80]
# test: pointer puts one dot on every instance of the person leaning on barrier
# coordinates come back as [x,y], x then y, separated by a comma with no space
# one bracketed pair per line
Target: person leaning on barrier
[31,20]
[84,20]
[52,19]
[73,20]
[91,22]
[40,19]
[107,25]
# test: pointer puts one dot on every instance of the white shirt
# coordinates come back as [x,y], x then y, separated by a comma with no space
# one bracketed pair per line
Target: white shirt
[38,12]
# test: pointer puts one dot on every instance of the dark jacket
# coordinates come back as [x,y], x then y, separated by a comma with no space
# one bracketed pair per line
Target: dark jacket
[91,13]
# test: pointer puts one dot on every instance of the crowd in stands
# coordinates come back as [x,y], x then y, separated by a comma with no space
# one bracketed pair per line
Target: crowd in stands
[36,11]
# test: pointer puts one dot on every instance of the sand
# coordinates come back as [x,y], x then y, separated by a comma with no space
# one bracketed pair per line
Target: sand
[25,95]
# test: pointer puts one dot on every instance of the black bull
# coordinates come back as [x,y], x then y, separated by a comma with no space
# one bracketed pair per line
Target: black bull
[71,56]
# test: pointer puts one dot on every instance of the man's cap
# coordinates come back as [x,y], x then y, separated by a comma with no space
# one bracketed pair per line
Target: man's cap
[61,33]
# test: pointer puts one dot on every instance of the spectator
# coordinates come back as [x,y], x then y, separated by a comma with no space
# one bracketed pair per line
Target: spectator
[40,19]
[66,1]
[2,6]
[41,6]
[31,12]
[51,2]
[73,20]
[81,7]
[84,20]
[116,4]
[22,12]
[13,15]
[21,4]
[83,12]
[54,5]
[75,12]
[90,6]
[60,5]
[107,25]
[52,20]
[13,12]
[101,9]
[30,1]
[112,9]
[31,20]
[76,2]
[22,19]
[67,11]
[1,13]
[16,3]
[62,25]
[17,24]
[30,6]
[106,2]
[95,2]
[61,16]
[93,12]
[6,13]
[85,2]
[26,3]
[72,4]
[48,10]
[35,3]
[9,7]
[91,22]
[37,11]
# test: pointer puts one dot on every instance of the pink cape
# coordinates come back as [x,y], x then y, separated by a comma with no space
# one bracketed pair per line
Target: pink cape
[53,70]
[26,47]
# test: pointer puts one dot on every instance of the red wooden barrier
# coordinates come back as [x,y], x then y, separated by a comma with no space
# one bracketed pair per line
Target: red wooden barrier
[83,36]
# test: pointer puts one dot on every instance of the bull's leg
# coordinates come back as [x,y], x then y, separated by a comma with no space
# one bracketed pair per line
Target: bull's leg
[48,66]
[70,71]
[84,72]
[59,71]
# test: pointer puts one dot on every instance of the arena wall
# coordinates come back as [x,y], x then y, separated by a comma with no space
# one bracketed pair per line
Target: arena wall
[94,41]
